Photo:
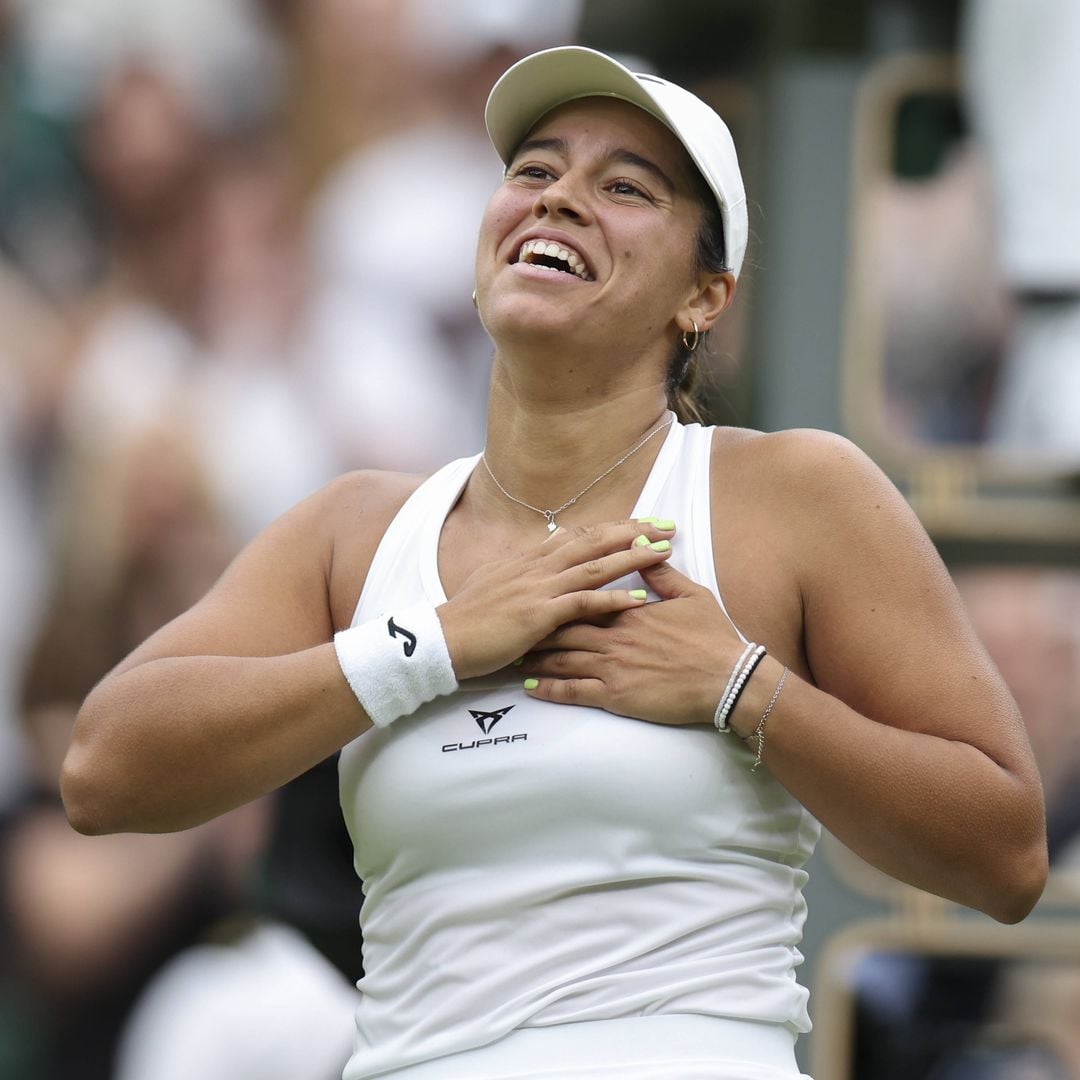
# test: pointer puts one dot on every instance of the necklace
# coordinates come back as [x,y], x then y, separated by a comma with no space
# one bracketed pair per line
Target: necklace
[550,514]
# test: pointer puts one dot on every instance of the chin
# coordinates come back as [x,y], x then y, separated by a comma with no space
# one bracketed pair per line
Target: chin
[532,318]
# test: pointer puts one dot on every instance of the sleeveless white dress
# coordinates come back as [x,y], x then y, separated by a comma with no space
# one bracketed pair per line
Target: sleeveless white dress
[557,891]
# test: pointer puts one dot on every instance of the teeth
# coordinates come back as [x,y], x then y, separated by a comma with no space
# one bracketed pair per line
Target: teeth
[551,250]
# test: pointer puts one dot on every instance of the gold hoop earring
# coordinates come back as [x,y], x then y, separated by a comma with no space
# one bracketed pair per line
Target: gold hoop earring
[687,344]
[474,303]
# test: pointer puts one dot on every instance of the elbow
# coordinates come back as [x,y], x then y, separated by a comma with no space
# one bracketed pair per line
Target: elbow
[1019,858]
[91,788]
[81,803]
[80,783]
[104,791]
[1021,883]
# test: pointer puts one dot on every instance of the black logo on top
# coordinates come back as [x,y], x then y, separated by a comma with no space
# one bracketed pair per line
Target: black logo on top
[409,644]
[487,720]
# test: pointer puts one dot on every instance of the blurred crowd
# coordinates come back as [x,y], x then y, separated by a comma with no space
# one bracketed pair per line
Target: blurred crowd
[236,259]
[977,241]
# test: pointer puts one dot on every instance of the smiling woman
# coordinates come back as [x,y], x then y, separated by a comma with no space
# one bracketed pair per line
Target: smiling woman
[581,795]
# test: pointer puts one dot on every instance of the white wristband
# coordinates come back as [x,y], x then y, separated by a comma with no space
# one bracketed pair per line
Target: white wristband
[397,662]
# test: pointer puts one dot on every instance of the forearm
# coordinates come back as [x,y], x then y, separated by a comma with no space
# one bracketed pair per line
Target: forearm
[936,813]
[178,740]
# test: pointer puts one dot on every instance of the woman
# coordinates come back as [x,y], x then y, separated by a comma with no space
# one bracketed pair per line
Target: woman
[569,870]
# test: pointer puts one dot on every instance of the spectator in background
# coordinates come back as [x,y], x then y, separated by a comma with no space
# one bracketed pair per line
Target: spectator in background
[1023,87]
[258,1001]
[1029,620]
[350,78]
[47,227]
[208,312]
[1032,1031]
[86,922]
[945,309]
[26,385]
[203,281]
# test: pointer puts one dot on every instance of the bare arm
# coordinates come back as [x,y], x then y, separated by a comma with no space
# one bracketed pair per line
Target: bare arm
[894,729]
[233,698]
[909,748]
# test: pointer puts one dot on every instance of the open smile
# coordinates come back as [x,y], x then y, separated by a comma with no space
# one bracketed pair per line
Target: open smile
[554,256]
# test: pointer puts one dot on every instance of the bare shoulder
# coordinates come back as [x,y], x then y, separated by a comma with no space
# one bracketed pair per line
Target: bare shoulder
[345,515]
[869,577]
[358,507]
[796,456]
[806,525]
[818,479]
[292,585]
[366,498]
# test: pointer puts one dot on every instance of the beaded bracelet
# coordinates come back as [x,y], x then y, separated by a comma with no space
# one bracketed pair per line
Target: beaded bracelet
[731,683]
[751,657]
[744,678]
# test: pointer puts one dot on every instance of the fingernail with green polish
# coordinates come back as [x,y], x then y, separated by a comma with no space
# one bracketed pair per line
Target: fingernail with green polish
[666,525]
[531,684]
[519,661]
[640,541]
[639,594]
[646,521]
[661,545]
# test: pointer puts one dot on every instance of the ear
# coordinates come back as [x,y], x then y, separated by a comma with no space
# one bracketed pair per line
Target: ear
[712,296]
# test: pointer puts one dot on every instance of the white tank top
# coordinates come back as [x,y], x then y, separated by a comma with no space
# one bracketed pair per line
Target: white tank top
[529,865]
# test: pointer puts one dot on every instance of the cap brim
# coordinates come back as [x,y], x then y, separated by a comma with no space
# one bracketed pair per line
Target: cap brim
[532,87]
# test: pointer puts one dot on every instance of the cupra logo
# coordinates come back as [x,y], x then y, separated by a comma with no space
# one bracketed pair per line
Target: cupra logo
[487,720]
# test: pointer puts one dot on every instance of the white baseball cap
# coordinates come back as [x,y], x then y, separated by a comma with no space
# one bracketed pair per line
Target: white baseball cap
[532,87]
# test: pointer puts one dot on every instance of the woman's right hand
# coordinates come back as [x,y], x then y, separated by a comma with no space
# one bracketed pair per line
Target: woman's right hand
[505,607]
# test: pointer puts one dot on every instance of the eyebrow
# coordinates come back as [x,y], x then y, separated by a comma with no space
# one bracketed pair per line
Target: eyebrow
[614,153]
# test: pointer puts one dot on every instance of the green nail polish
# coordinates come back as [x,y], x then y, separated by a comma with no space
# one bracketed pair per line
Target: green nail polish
[531,684]
[646,521]
[661,545]
[639,594]
[640,541]
[519,661]
[666,525]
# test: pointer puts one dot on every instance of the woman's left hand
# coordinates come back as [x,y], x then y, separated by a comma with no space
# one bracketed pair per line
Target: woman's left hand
[666,662]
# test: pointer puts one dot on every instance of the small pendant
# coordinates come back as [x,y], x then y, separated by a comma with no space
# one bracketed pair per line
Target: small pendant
[550,515]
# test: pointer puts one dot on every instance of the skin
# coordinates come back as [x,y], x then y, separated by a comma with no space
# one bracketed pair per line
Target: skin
[893,727]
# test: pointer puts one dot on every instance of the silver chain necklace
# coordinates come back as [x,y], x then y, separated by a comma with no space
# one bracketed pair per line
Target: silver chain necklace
[550,514]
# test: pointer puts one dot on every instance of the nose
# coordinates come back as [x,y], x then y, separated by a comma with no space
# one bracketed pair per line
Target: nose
[561,199]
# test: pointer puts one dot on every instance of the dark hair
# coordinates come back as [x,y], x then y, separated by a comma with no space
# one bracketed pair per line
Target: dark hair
[684,375]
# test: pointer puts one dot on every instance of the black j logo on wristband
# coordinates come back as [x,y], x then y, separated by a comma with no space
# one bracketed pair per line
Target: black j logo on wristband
[409,644]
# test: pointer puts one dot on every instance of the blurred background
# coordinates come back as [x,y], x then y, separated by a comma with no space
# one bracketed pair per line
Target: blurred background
[236,244]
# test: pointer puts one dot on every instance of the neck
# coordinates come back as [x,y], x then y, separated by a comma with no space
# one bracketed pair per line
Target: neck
[545,447]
